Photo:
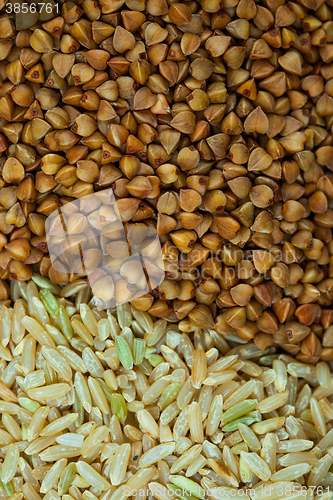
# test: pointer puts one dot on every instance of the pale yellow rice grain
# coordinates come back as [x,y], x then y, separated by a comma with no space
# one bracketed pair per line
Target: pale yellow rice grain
[92,476]
[119,464]
[10,463]
[195,423]
[199,368]
[52,475]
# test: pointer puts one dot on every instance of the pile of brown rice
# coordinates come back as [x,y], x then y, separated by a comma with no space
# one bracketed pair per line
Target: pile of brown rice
[116,404]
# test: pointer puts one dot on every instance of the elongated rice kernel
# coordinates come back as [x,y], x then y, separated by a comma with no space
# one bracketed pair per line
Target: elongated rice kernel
[246,474]
[103,328]
[238,395]
[124,353]
[257,465]
[99,395]
[39,311]
[82,331]
[323,374]
[139,347]
[188,485]
[57,362]
[12,426]
[56,335]
[118,406]
[37,422]
[291,473]
[215,415]
[70,439]
[238,410]
[10,463]
[148,423]
[280,381]
[5,325]
[195,466]
[160,491]
[195,423]
[249,437]
[168,395]
[270,425]
[65,324]
[293,445]
[92,476]
[155,390]
[318,472]
[199,368]
[59,424]
[186,458]
[273,402]
[17,327]
[66,478]
[82,390]
[89,319]
[119,464]
[49,302]
[225,473]
[318,417]
[52,476]
[140,479]
[96,436]
[45,283]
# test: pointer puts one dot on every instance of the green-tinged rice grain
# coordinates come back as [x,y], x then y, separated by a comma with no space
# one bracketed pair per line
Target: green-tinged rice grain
[258,466]
[250,418]
[37,331]
[323,374]
[49,302]
[66,478]
[238,410]
[65,324]
[155,454]
[45,283]
[291,473]
[188,485]
[118,406]
[12,427]
[124,353]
